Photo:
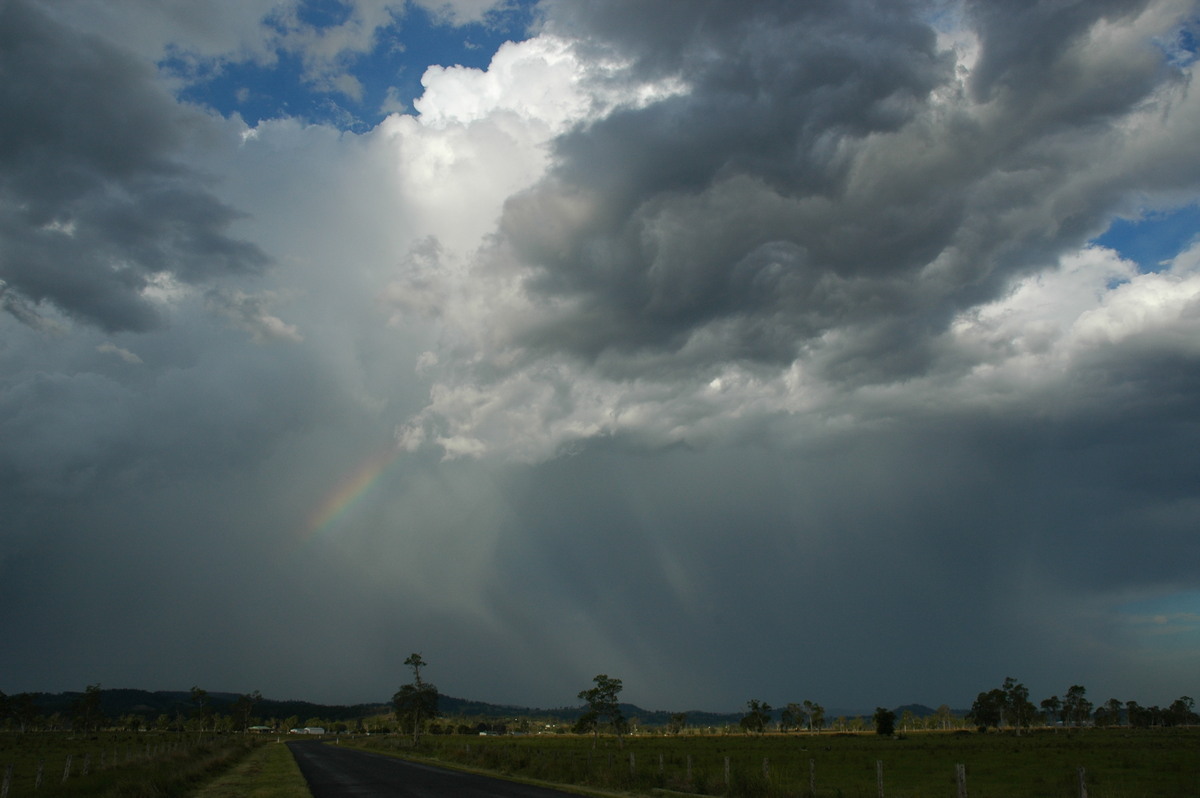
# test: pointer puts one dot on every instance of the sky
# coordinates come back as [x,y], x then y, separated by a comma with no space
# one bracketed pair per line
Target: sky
[842,351]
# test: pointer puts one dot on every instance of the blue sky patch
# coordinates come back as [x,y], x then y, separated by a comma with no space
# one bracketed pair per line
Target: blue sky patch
[1155,237]
[390,75]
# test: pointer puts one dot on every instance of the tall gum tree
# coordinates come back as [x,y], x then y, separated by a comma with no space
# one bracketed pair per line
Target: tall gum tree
[603,703]
[417,701]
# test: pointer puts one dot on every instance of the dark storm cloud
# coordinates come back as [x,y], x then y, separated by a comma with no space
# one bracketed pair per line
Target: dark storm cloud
[883,563]
[1022,42]
[93,197]
[824,170]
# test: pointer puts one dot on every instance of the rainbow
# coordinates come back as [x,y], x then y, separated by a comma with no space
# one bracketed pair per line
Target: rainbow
[348,491]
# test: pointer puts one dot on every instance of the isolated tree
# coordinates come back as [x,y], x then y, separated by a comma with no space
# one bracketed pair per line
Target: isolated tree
[603,703]
[1052,706]
[416,701]
[757,717]
[885,722]
[1181,712]
[677,723]
[1018,710]
[816,716]
[243,708]
[1076,707]
[943,716]
[812,715]
[202,712]
[988,709]
[85,711]
[792,717]
[1109,713]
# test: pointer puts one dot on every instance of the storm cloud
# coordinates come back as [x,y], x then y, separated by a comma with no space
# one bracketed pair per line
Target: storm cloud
[832,189]
[95,199]
[735,349]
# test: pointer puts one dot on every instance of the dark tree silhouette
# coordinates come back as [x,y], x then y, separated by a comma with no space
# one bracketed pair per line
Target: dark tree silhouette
[415,702]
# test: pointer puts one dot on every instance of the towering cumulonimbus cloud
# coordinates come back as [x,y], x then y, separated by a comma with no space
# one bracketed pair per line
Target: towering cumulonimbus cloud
[828,189]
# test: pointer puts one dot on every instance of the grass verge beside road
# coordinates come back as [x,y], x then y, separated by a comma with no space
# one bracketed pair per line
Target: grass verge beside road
[269,772]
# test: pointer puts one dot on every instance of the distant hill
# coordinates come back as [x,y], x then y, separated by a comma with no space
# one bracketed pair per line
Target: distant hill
[115,703]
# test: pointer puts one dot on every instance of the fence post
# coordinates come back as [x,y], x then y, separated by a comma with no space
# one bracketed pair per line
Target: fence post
[660,764]
[766,769]
[631,765]
[37,782]
[1082,782]
[727,781]
[812,777]
[689,767]
[87,764]
[7,781]
[960,776]
[879,776]
[67,770]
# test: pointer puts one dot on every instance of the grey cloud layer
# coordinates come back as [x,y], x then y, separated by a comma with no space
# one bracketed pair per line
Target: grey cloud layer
[832,189]
[95,199]
[825,170]
[729,202]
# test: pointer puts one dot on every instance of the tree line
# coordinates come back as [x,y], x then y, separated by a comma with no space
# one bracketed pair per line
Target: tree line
[20,712]
[1009,706]
[415,711]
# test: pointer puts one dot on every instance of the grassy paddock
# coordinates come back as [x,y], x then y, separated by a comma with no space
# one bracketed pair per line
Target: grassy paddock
[129,765]
[1118,763]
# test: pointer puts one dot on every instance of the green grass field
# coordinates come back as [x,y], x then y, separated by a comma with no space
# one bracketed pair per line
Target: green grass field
[116,764]
[1118,763]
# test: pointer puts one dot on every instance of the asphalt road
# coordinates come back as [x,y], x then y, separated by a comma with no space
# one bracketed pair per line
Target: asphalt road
[336,772]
